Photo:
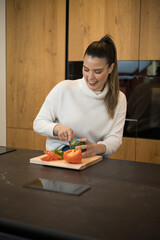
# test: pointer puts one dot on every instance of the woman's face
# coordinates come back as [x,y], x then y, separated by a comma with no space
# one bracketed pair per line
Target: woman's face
[96,71]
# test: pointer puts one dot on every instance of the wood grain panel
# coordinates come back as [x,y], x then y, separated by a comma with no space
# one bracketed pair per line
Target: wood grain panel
[150,33]
[86,24]
[89,20]
[126,150]
[35,56]
[35,63]
[25,138]
[148,150]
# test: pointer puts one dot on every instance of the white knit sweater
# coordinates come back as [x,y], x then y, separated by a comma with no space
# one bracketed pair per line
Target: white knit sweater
[73,104]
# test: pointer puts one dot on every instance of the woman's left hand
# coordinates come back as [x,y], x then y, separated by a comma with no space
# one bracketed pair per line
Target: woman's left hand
[91,149]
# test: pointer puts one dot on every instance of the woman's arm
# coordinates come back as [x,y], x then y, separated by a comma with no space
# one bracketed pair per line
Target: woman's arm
[45,122]
[113,140]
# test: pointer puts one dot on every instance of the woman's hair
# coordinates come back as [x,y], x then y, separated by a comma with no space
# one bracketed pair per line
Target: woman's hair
[105,48]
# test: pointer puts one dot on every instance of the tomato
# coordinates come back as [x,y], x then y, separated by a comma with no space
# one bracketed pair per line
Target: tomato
[46,158]
[73,155]
[50,156]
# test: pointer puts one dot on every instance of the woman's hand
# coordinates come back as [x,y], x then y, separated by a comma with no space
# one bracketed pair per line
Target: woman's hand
[91,149]
[63,132]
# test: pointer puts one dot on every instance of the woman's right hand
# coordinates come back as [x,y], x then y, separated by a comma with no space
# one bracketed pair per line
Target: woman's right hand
[64,133]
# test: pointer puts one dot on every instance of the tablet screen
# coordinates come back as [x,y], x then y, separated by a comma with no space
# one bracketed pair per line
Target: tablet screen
[57,186]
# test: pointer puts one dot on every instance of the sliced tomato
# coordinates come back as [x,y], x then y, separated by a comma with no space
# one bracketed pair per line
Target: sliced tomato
[73,155]
[53,155]
[50,156]
[46,158]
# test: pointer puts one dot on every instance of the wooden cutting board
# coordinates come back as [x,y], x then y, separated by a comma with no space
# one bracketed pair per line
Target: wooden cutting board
[86,162]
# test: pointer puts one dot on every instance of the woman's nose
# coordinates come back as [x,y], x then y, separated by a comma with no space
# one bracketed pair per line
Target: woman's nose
[90,75]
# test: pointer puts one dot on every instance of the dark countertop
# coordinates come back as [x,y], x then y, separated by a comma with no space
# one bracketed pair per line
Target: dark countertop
[123,202]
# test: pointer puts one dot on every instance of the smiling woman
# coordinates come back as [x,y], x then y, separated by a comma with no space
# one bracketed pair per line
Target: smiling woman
[96,71]
[91,110]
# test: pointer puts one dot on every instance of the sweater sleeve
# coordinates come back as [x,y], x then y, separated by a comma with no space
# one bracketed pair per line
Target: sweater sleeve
[46,119]
[114,139]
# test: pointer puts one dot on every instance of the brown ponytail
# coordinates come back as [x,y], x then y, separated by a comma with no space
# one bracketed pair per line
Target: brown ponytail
[111,99]
[106,48]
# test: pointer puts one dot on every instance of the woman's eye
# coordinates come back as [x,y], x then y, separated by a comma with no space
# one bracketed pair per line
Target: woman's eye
[86,70]
[97,72]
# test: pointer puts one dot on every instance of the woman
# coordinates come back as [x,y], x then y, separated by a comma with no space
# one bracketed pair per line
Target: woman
[91,109]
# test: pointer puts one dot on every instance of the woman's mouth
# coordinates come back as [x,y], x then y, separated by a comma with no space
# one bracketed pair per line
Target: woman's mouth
[92,83]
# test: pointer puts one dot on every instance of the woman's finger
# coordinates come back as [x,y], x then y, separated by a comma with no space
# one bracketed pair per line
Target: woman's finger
[70,134]
[83,140]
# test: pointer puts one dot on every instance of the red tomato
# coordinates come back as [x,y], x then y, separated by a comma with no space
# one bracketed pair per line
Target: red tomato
[73,155]
[46,158]
[51,156]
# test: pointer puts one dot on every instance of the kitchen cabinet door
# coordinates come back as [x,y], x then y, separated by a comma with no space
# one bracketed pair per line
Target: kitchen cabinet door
[89,20]
[35,59]
[127,151]
[148,150]
[25,138]
[150,30]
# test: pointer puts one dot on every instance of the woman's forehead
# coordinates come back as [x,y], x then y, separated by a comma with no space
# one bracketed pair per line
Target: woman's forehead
[94,61]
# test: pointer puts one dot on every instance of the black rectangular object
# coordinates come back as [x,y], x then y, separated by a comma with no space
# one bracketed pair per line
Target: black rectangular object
[57,186]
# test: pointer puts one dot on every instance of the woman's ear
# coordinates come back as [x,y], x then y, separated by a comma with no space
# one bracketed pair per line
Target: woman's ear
[111,68]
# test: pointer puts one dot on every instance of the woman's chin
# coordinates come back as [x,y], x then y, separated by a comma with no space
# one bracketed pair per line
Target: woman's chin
[92,86]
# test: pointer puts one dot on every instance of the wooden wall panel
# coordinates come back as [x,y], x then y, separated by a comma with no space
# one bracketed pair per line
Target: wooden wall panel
[35,56]
[126,150]
[140,150]
[89,20]
[149,30]
[148,150]
[25,138]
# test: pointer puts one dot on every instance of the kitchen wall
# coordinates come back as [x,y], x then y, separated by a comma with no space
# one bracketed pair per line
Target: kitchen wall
[2,75]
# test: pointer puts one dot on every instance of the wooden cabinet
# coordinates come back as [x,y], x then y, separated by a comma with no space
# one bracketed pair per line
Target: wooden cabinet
[139,150]
[89,20]
[25,138]
[35,63]
[127,150]
[148,151]
[133,24]
[149,30]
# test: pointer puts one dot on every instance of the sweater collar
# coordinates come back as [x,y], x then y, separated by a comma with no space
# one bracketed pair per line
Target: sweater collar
[91,93]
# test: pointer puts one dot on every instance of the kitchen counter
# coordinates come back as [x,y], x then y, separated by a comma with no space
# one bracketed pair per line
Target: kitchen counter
[122,203]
